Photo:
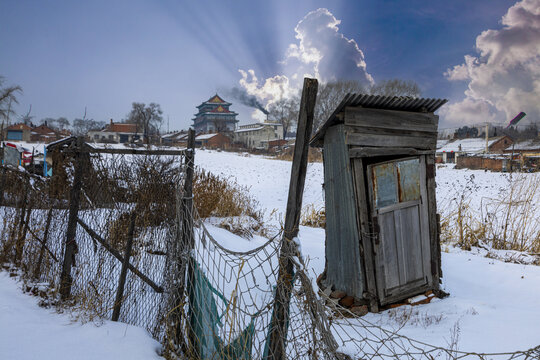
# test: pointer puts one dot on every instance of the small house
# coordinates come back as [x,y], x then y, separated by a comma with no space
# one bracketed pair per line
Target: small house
[213,141]
[382,241]
[258,135]
[18,132]
[118,133]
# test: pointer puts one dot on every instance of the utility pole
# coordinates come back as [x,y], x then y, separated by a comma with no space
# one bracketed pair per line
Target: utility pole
[487,137]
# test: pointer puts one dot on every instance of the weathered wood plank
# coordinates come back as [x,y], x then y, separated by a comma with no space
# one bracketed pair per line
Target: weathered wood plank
[344,266]
[71,232]
[356,139]
[390,132]
[123,272]
[360,152]
[368,253]
[435,246]
[117,255]
[280,319]
[89,149]
[391,119]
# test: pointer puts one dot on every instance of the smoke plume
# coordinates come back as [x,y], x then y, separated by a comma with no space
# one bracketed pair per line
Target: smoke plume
[246,99]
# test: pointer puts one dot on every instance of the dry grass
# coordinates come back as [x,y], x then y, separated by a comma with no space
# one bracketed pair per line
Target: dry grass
[215,196]
[314,217]
[314,154]
[508,222]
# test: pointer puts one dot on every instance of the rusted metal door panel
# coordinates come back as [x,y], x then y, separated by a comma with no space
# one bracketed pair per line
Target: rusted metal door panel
[397,189]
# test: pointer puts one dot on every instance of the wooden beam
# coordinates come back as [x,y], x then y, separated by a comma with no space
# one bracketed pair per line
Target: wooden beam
[391,119]
[123,272]
[71,244]
[280,315]
[360,151]
[364,228]
[383,140]
[92,150]
[119,256]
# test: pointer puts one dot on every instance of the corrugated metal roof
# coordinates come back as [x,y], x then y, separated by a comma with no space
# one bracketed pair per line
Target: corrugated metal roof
[401,103]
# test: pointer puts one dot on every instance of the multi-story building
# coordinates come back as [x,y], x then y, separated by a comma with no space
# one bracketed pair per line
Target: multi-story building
[258,135]
[214,116]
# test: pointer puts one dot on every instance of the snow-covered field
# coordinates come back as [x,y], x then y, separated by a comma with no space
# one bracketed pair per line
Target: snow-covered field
[29,332]
[493,303]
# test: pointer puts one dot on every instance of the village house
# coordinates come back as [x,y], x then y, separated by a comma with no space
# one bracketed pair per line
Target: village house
[214,116]
[18,132]
[213,141]
[117,133]
[43,133]
[258,135]
[176,138]
[449,151]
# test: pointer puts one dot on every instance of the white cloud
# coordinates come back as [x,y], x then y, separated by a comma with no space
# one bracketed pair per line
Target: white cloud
[468,111]
[321,51]
[505,75]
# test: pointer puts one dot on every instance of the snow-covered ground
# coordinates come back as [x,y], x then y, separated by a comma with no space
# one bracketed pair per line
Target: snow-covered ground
[494,303]
[28,331]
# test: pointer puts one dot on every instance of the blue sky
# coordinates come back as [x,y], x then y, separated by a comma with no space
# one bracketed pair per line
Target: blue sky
[103,55]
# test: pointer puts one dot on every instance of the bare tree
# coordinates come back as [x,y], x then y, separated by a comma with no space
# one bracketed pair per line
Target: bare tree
[285,112]
[148,118]
[56,124]
[8,96]
[329,97]
[27,118]
[396,87]
[220,126]
[82,126]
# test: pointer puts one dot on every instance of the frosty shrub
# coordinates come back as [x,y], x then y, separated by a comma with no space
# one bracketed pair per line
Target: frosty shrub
[215,196]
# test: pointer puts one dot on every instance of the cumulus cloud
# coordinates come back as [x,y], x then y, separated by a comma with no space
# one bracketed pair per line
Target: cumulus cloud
[320,51]
[504,77]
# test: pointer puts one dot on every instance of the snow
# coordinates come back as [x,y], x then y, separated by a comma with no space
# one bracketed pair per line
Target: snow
[205,136]
[473,145]
[493,302]
[30,332]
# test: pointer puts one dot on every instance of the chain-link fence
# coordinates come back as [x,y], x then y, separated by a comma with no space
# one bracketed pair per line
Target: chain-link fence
[140,254]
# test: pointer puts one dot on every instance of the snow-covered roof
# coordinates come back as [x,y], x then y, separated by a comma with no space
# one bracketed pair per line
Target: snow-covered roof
[441,143]
[472,145]
[175,135]
[532,144]
[204,136]
[250,129]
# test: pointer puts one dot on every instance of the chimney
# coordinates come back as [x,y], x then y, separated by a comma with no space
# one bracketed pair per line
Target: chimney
[111,122]
[45,123]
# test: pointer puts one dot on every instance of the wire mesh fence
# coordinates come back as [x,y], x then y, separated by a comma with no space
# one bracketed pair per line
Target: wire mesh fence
[199,298]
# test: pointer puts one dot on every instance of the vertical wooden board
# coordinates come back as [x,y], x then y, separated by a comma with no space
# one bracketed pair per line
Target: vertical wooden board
[411,243]
[388,263]
[363,224]
[426,224]
[435,246]
[344,268]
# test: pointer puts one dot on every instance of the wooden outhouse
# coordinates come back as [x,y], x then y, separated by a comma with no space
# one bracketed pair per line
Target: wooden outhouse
[382,243]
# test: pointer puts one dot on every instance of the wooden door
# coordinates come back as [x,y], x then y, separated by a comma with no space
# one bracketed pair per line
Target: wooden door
[398,203]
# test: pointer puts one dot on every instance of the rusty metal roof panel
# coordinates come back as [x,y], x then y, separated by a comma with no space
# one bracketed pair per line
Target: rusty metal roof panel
[400,103]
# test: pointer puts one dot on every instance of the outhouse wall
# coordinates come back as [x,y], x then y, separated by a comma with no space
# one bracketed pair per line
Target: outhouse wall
[344,268]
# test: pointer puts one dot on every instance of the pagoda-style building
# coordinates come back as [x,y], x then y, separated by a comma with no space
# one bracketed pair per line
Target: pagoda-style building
[214,116]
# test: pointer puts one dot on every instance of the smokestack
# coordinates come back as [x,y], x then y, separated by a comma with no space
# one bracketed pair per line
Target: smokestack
[246,99]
